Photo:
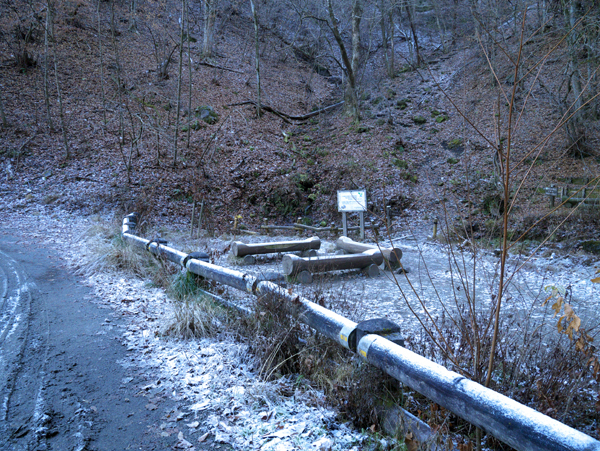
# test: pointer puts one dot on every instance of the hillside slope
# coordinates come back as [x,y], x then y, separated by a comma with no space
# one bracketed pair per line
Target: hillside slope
[415,148]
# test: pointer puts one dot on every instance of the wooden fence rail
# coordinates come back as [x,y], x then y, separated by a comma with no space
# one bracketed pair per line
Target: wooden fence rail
[586,195]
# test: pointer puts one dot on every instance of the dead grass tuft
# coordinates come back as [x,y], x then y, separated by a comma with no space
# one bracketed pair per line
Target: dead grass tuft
[195,317]
[284,346]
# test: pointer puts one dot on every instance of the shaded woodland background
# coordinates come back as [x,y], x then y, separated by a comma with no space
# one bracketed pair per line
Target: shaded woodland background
[148,105]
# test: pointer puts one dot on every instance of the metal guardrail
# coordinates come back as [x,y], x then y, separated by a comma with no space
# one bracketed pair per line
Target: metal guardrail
[517,425]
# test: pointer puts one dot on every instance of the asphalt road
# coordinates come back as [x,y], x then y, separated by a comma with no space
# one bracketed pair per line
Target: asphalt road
[63,384]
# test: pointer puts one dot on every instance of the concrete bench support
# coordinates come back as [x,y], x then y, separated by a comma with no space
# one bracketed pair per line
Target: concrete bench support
[391,255]
[303,268]
[239,249]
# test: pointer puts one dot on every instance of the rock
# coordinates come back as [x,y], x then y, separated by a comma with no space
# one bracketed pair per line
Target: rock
[323,444]
[207,114]
[591,246]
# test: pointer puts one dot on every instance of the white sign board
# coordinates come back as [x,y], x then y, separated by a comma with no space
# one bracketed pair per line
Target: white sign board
[352,200]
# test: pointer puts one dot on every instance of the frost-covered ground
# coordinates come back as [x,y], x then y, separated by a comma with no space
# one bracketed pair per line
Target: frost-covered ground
[220,397]
[219,394]
[437,283]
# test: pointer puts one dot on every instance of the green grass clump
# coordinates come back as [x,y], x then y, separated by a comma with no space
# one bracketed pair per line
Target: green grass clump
[402,164]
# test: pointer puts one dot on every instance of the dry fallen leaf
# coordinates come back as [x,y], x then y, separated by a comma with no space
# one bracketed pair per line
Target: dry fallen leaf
[203,437]
[411,444]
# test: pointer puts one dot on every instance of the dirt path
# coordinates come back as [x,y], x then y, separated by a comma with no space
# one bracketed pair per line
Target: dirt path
[64,381]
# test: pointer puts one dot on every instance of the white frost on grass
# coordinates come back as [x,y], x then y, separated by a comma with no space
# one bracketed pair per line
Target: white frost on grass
[216,376]
[219,395]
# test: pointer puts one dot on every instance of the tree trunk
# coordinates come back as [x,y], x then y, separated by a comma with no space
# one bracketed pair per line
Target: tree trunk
[63,122]
[210,15]
[293,265]
[393,255]
[47,36]
[189,58]
[357,12]
[441,26]
[256,58]
[239,249]
[350,97]
[113,28]
[2,115]
[387,37]
[413,31]
[101,53]
[392,71]
[179,71]
[133,20]
[575,125]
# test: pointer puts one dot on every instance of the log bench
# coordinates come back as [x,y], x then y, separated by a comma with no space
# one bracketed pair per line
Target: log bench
[304,268]
[239,249]
[391,255]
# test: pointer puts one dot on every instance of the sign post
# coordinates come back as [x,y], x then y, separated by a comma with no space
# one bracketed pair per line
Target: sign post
[353,201]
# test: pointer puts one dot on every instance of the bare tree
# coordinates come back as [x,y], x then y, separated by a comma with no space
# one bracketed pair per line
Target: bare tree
[210,16]
[582,19]
[256,58]
[119,87]
[24,32]
[48,33]
[189,58]
[163,52]
[179,73]
[386,20]
[101,53]
[351,65]
[2,115]
[410,12]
